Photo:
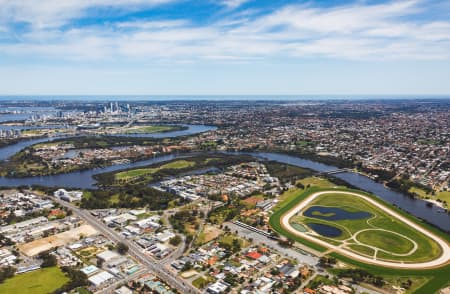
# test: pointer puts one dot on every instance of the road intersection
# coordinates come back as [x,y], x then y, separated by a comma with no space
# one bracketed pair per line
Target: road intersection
[134,250]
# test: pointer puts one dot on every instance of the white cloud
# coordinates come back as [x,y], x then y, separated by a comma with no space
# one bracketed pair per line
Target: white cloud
[358,31]
[53,13]
[151,25]
[232,4]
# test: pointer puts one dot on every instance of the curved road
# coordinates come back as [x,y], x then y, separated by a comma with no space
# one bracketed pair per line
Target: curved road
[441,260]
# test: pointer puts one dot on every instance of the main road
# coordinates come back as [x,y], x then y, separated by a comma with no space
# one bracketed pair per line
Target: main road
[134,250]
[443,259]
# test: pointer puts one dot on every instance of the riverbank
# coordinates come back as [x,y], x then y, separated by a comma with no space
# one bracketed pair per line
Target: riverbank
[385,177]
[417,207]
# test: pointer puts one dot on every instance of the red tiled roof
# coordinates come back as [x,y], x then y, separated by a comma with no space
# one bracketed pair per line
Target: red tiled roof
[254,255]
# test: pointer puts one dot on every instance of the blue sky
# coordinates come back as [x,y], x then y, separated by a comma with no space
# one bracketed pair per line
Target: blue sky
[224,47]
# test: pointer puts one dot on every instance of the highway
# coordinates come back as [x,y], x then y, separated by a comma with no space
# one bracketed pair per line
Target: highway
[134,250]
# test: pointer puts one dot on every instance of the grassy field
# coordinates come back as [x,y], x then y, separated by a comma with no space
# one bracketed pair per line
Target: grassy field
[148,172]
[82,291]
[149,129]
[202,282]
[431,279]
[364,250]
[41,281]
[207,234]
[443,195]
[383,231]
[287,172]
[228,238]
[319,279]
[386,241]
[316,182]
[295,192]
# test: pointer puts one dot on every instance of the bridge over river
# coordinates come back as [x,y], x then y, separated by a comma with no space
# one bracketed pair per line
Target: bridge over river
[337,171]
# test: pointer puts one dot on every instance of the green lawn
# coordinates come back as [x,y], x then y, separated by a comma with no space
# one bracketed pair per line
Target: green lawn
[362,249]
[295,192]
[87,194]
[287,197]
[443,195]
[317,182]
[149,129]
[211,159]
[417,282]
[135,173]
[386,241]
[83,291]
[41,281]
[228,238]
[178,164]
[148,172]
[202,282]
[319,279]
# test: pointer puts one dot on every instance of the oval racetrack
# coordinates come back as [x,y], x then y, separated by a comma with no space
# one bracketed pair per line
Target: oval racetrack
[441,260]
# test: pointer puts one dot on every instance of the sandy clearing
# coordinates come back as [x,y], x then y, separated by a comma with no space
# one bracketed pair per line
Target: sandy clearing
[210,233]
[37,246]
[441,260]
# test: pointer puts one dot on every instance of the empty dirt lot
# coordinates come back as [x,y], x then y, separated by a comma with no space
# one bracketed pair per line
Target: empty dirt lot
[37,246]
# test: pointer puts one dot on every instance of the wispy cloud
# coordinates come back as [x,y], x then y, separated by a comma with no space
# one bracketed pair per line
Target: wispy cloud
[53,13]
[233,3]
[357,31]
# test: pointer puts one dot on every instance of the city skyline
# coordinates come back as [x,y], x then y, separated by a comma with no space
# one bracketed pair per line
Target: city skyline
[170,47]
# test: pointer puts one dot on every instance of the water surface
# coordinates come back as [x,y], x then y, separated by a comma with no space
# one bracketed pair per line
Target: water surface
[325,230]
[335,213]
[417,207]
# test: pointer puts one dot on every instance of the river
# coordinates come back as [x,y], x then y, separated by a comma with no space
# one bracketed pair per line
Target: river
[84,180]
[416,207]
[24,113]
[8,151]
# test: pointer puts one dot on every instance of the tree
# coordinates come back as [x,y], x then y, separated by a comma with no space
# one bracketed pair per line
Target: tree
[99,263]
[6,241]
[290,241]
[230,279]
[187,266]
[122,248]
[6,272]
[236,245]
[175,241]
[77,279]
[274,271]
[378,281]
[48,260]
